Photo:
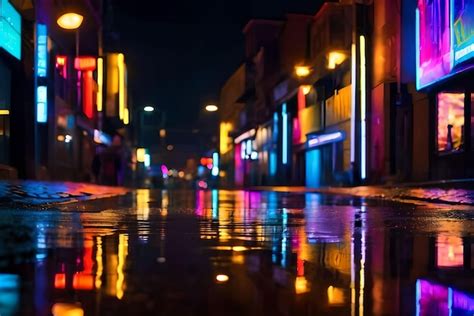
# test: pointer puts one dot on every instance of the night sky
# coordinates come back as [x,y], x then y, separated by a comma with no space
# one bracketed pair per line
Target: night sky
[179,53]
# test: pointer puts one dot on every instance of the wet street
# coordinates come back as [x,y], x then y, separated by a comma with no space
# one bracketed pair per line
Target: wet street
[236,253]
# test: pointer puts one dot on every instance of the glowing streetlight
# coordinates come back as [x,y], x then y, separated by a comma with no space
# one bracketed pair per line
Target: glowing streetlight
[148,108]
[211,108]
[70,21]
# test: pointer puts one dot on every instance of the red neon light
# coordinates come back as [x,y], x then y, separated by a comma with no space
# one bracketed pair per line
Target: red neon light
[88,94]
[85,63]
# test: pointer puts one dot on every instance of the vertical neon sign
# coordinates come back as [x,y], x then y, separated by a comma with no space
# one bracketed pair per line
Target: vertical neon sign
[215,164]
[284,134]
[41,51]
[363,104]
[41,72]
[353,100]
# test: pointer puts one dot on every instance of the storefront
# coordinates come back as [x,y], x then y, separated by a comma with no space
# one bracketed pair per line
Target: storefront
[445,51]
[10,55]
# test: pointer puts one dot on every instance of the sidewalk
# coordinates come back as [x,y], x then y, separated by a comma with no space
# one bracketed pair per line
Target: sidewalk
[442,192]
[39,193]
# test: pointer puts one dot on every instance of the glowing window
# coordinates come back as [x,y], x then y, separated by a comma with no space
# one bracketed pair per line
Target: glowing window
[450,121]
[450,251]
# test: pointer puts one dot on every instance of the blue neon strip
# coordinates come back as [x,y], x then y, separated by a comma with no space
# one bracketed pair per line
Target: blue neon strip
[284,117]
[10,29]
[41,50]
[42,104]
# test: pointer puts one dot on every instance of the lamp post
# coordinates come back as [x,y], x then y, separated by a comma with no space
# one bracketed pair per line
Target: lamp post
[71,21]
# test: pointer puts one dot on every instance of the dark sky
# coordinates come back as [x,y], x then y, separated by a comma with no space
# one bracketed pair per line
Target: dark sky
[179,53]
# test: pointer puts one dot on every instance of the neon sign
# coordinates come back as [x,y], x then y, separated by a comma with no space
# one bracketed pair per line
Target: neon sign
[41,51]
[324,139]
[444,39]
[10,29]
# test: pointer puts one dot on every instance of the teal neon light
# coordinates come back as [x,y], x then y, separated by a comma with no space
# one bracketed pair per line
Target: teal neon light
[284,134]
[10,29]
[41,50]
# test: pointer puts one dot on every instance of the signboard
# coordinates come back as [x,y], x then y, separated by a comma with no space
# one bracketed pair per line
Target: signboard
[10,29]
[463,30]
[444,39]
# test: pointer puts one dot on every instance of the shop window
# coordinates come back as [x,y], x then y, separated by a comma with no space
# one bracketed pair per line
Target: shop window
[450,121]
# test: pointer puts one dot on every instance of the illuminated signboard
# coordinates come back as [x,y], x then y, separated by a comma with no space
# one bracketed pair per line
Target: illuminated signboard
[437,299]
[10,29]
[41,51]
[444,38]
[324,139]
[463,30]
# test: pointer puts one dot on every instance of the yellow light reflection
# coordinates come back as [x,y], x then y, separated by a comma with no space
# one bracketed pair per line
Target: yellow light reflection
[335,296]
[165,202]
[100,264]
[100,83]
[301,285]
[122,256]
[239,248]
[4,112]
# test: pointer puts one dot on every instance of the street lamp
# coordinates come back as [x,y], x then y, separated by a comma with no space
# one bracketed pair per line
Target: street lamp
[70,21]
[148,108]
[211,108]
[302,71]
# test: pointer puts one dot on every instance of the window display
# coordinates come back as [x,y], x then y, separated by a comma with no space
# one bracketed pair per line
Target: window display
[450,121]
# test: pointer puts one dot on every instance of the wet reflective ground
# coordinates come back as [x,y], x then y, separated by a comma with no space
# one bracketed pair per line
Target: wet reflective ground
[237,253]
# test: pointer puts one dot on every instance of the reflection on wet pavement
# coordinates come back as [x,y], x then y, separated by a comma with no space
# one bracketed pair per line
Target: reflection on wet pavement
[237,253]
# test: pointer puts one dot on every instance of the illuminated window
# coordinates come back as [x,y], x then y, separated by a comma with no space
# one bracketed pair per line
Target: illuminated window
[450,251]
[450,121]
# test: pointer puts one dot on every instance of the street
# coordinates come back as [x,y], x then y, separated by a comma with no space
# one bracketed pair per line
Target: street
[154,252]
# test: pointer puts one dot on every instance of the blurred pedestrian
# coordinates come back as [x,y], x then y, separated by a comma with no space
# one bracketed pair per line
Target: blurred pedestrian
[111,163]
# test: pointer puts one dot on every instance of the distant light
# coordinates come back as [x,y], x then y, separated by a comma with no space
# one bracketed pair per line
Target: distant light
[147,161]
[306,89]
[161,259]
[67,138]
[302,71]
[70,21]
[4,112]
[221,278]
[64,309]
[254,155]
[301,285]
[141,154]
[215,164]
[181,174]
[248,134]
[170,147]
[85,63]
[202,184]
[211,108]
[335,59]
[148,108]
[122,92]
[162,133]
